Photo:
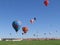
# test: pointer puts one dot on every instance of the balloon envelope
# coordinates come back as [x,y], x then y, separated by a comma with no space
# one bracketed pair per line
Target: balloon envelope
[16,25]
[25,29]
[34,18]
[33,34]
[50,33]
[46,2]
[44,33]
[10,33]
[32,21]
[56,31]
[22,33]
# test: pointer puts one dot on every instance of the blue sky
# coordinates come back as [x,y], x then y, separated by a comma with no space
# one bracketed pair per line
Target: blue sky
[48,18]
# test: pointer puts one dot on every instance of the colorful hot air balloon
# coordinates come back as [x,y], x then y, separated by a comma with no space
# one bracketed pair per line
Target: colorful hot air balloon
[16,25]
[46,2]
[32,21]
[25,29]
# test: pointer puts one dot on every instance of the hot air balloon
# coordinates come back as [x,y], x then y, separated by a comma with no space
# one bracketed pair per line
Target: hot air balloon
[46,2]
[34,18]
[33,34]
[50,33]
[10,33]
[32,21]
[16,25]
[22,33]
[44,33]
[56,31]
[25,29]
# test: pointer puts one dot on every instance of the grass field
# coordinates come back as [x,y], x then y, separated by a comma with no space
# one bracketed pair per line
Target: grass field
[34,42]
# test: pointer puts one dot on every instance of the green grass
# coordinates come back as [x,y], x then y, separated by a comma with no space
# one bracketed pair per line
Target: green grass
[34,42]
